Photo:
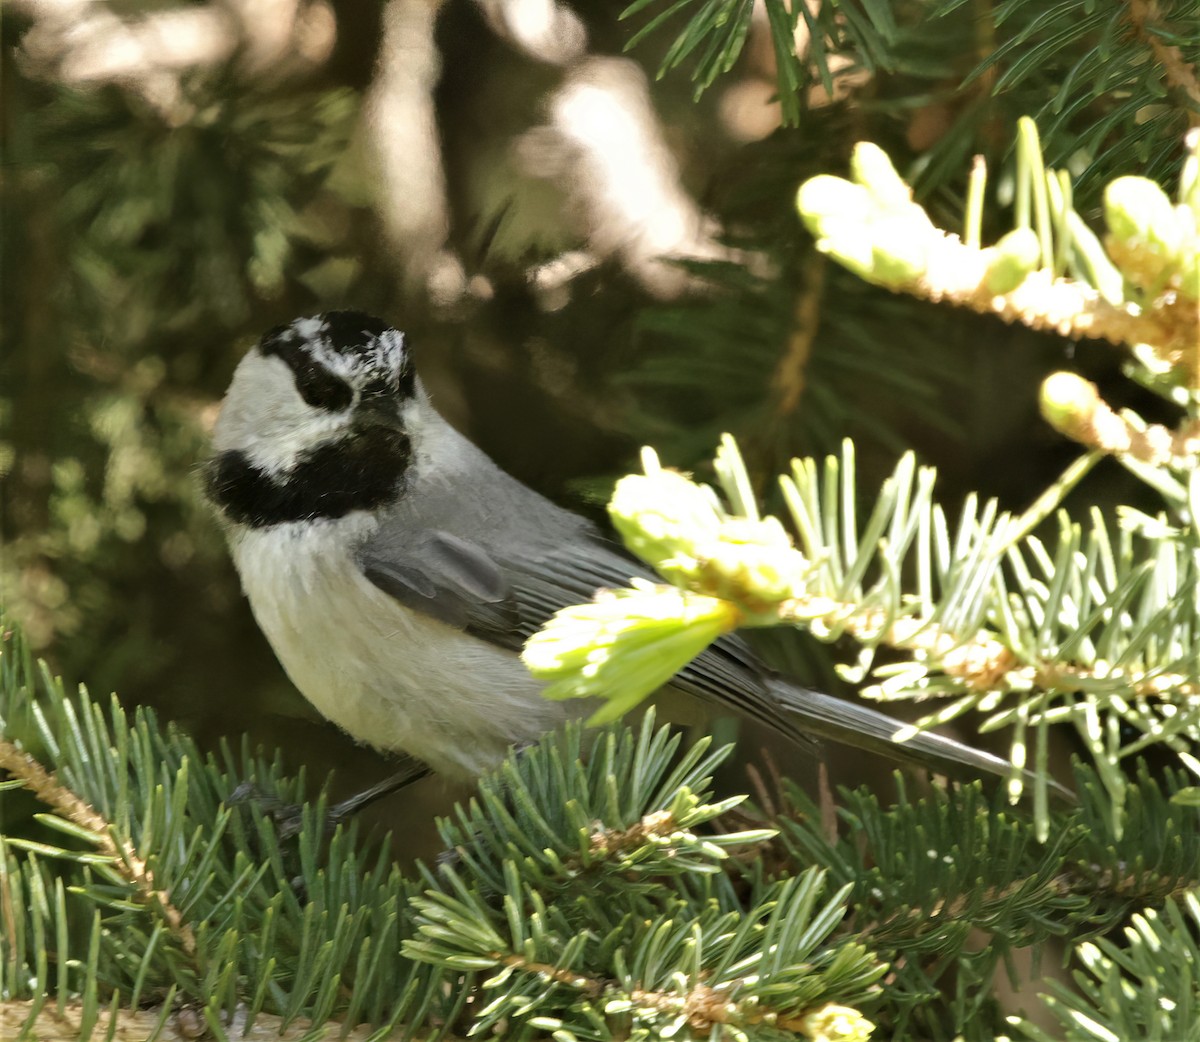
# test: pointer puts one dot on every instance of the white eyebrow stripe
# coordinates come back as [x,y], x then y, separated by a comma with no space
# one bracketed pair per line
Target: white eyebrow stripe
[383,350]
[309,328]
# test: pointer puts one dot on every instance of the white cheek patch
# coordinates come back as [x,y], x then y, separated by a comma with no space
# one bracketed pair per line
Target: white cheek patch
[279,454]
[264,417]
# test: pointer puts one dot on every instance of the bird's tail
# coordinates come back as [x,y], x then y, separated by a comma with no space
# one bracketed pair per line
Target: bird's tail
[860,727]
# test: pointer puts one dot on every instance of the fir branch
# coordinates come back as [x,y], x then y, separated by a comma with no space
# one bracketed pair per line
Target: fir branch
[69,805]
[1143,15]
[1106,89]
[1090,633]
[1073,406]
[958,275]
[535,896]
[706,1008]
[656,825]
[586,985]
[1146,987]
[935,265]
[821,51]
[620,937]
[979,660]
[703,1007]
[701,966]
[928,873]
[275,930]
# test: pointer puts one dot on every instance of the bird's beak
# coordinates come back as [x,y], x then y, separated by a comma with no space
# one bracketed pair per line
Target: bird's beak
[378,412]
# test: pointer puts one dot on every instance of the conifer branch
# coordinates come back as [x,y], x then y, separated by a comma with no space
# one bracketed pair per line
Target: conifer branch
[791,373]
[702,1006]
[959,275]
[1073,406]
[872,226]
[654,825]
[46,787]
[599,908]
[1143,15]
[980,660]
[1142,985]
[1086,634]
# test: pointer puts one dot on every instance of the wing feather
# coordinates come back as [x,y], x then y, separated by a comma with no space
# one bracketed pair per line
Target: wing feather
[505,597]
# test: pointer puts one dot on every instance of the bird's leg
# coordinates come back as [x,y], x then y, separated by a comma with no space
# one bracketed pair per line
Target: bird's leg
[289,817]
[412,771]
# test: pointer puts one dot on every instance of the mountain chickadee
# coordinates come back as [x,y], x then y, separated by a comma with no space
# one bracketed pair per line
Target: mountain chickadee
[397,571]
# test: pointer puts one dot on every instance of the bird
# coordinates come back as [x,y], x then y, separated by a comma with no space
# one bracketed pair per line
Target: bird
[397,571]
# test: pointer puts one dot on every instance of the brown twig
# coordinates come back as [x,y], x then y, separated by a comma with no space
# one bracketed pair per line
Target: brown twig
[957,274]
[791,372]
[1067,884]
[69,805]
[1179,74]
[1095,424]
[605,841]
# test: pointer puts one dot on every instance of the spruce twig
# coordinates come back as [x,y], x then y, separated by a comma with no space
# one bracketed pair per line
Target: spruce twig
[1179,73]
[47,788]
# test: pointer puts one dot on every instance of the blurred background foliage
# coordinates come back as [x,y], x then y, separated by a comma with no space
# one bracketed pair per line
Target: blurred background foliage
[587,256]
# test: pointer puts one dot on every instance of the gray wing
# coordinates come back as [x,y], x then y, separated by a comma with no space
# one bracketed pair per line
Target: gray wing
[449,578]
[505,597]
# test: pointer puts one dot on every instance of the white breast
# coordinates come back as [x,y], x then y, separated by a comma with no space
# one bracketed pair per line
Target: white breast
[392,678]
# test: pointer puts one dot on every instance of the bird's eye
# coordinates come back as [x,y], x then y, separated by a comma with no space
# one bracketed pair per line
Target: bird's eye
[322,390]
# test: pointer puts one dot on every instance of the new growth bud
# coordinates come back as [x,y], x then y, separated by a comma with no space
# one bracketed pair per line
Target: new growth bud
[871,226]
[1068,402]
[835,1023]
[625,644]
[679,529]
[871,167]
[1138,211]
[1147,235]
[1015,257]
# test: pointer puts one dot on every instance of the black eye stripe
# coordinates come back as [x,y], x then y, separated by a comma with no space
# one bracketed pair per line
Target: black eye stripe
[316,384]
[322,390]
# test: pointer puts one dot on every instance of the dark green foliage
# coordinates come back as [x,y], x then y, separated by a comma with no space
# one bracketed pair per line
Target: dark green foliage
[191,221]
[716,31]
[142,247]
[1096,76]
[1096,79]
[142,253]
[1129,990]
[809,397]
[226,916]
[927,873]
[242,906]
[590,897]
